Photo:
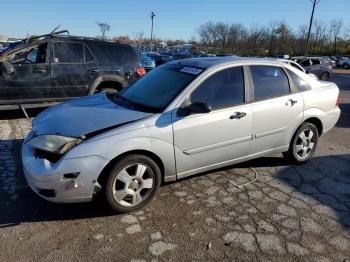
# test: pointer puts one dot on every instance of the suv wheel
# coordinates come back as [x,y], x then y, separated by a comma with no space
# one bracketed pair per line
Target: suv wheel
[303,144]
[345,66]
[325,76]
[132,183]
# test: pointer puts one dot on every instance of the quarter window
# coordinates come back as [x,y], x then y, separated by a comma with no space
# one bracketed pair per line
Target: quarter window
[223,89]
[300,83]
[68,53]
[269,81]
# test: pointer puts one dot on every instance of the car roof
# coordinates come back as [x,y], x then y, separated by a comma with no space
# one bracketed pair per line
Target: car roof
[206,62]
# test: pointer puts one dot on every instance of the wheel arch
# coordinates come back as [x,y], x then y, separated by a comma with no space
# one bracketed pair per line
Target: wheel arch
[105,171]
[107,80]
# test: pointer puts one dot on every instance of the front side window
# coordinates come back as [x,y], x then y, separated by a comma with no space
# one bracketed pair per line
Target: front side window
[222,89]
[300,83]
[269,81]
[68,53]
[29,55]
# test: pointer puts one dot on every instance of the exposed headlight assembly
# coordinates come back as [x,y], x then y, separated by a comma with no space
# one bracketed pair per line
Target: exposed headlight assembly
[54,143]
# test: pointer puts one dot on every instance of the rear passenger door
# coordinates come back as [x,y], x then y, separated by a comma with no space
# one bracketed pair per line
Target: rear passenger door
[71,70]
[277,108]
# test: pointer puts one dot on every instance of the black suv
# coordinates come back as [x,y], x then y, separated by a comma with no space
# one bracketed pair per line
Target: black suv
[56,67]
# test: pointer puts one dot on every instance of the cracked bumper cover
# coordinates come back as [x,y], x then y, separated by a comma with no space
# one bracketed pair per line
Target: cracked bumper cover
[44,175]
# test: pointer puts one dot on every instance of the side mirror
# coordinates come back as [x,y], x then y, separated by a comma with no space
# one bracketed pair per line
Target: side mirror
[307,71]
[7,68]
[195,108]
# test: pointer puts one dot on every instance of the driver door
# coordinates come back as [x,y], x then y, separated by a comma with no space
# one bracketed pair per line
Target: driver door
[211,140]
[31,77]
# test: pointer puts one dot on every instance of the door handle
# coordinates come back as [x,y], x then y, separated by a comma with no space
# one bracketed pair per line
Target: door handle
[93,70]
[42,71]
[291,102]
[238,115]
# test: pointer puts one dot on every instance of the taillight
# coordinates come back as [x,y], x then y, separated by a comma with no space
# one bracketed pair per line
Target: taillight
[338,101]
[141,71]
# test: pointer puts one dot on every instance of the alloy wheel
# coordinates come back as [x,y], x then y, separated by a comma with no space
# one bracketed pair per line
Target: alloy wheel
[305,143]
[133,185]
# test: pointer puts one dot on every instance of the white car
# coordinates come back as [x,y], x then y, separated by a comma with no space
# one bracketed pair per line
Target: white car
[183,118]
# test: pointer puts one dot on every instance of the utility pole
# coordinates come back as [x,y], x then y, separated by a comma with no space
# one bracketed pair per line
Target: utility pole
[314,3]
[152,17]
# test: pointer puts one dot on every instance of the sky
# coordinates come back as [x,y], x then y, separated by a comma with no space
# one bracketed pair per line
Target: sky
[176,19]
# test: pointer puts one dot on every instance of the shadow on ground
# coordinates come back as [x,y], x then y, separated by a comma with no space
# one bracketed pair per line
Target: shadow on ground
[325,179]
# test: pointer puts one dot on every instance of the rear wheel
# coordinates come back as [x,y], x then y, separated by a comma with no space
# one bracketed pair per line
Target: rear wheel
[303,144]
[132,183]
[325,76]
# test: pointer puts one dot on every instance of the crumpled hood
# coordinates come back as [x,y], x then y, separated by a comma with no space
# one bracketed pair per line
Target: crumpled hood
[81,116]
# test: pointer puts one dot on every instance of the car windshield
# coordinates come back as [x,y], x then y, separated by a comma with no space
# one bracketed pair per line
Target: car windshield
[154,91]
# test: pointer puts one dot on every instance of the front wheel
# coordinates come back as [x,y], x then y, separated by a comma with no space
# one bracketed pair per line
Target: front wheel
[303,144]
[345,66]
[132,183]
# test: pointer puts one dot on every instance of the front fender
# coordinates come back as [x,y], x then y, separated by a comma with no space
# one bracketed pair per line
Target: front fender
[112,147]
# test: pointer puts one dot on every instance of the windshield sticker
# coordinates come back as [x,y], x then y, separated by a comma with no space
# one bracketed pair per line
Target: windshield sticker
[191,70]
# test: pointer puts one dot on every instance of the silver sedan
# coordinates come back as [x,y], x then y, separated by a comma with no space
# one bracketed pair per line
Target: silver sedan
[183,118]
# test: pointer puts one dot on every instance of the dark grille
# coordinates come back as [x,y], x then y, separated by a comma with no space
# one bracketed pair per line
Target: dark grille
[47,155]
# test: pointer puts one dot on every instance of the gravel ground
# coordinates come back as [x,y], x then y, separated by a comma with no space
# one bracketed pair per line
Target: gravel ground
[289,213]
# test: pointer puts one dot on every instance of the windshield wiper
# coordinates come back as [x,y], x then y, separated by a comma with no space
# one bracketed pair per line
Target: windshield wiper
[120,100]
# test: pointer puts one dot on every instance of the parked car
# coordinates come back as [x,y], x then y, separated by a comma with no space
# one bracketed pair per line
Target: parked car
[344,62]
[160,59]
[200,113]
[147,62]
[10,45]
[178,56]
[297,66]
[319,66]
[57,67]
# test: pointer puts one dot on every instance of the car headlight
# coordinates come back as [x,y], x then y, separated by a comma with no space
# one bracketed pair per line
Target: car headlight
[54,143]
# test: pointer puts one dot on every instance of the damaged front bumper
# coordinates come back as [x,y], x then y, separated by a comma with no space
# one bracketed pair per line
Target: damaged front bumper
[66,181]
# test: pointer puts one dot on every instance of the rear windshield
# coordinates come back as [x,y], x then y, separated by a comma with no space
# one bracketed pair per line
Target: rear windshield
[159,87]
[114,54]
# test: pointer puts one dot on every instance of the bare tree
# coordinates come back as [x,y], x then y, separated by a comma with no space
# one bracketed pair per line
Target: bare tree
[104,27]
[335,30]
[139,36]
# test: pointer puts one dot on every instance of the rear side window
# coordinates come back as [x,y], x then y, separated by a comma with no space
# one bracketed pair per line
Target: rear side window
[300,83]
[269,81]
[305,63]
[68,53]
[114,54]
[316,61]
[222,89]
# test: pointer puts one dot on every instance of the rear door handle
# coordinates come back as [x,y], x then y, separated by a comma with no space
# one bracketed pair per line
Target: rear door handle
[291,102]
[238,115]
[42,71]
[93,70]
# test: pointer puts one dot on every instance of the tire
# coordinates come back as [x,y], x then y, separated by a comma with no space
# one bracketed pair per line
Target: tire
[346,66]
[302,147]
[132,183]
[325,76]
